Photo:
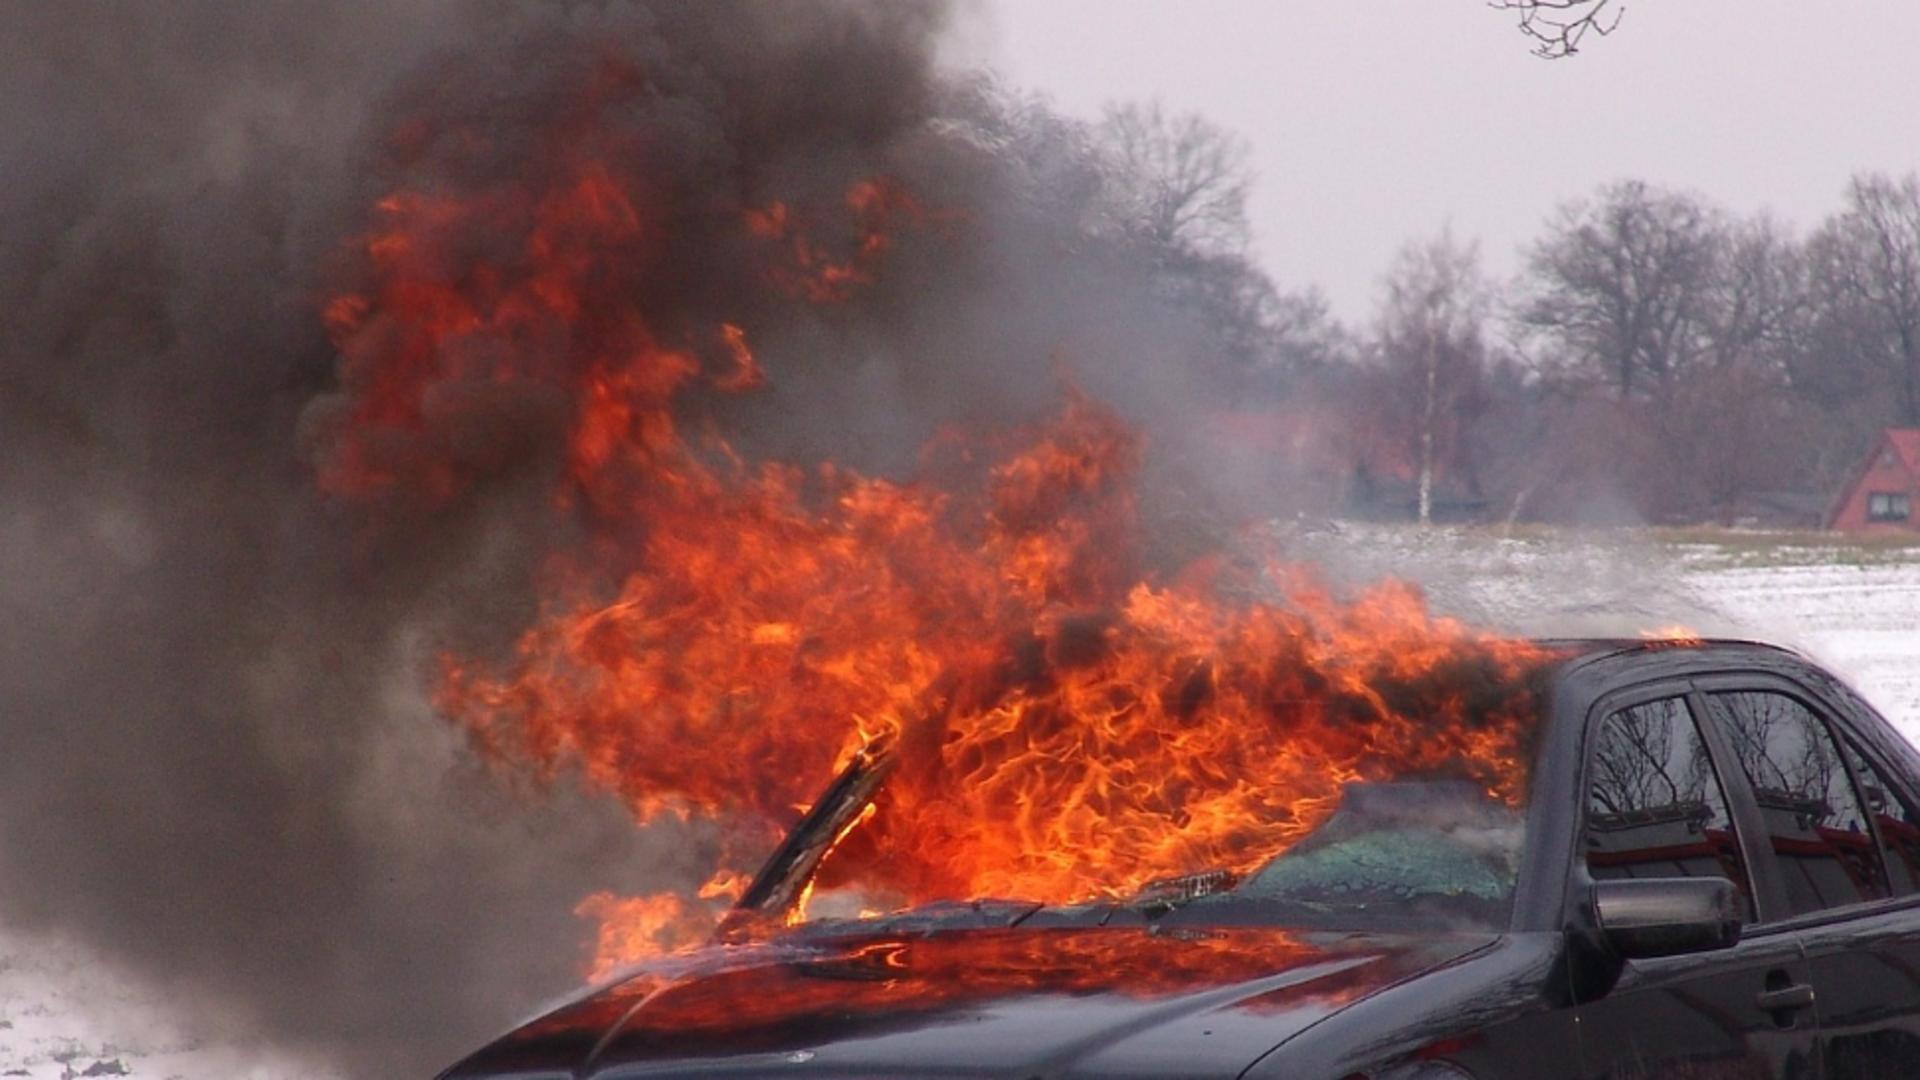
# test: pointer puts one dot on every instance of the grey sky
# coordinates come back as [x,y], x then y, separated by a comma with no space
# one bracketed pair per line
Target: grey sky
[1373,121]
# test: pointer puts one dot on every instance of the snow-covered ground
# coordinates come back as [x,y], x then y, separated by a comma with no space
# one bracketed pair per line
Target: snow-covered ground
[1853,607]
[1856,608]
[1863,622]
[64,1015]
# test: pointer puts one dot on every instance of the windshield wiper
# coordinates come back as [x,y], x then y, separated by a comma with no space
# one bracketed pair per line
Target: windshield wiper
[1159,897]
[779,883]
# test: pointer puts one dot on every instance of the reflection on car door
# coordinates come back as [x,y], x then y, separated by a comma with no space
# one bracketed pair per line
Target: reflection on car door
[1656,807]
[1844,841]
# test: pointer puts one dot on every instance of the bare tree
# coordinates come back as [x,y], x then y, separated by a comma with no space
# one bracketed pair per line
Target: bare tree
[1625,284]
[1867,259]
[1727,432]
[1758,297]
[1431,336]
[1557,27]
[1182,180]
[1052,162]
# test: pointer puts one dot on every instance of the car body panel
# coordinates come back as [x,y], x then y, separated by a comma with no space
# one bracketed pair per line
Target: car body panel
[1062,993]
[1063,1002]
[1866,977]
[1480,1012]
[1698,1015]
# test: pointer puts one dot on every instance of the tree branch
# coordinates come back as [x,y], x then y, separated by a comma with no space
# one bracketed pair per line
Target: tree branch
[1557,27]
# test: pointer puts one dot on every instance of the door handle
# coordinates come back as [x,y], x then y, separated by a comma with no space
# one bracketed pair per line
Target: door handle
[1787,999]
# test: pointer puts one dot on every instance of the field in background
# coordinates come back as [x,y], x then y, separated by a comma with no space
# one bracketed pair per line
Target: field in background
[1852,604]
[1860,614]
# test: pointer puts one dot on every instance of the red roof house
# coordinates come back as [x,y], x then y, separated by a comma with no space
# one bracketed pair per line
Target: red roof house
[1884,487]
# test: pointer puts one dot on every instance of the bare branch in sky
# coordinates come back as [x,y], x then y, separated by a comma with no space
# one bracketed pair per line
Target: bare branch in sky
[1185,177]
[1557,27]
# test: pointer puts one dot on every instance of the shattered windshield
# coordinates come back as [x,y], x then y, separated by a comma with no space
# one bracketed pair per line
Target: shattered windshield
[1425,837]
[1407,854]
[1414,852]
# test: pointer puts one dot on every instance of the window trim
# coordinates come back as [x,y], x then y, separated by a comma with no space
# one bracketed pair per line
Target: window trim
[1742,815]
[1895,790]
[1844,744]
[1826,916]
[1865,730]
[1756,845]
[1837,729]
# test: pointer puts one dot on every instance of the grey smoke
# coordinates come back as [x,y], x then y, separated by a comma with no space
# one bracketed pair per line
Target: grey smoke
[218,764]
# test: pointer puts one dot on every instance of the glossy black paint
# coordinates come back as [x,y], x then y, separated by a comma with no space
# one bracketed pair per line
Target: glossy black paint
[1029,1002]
[1062,993]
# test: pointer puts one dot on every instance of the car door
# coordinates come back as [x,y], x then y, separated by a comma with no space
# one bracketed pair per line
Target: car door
[1657,806]
[1842,830]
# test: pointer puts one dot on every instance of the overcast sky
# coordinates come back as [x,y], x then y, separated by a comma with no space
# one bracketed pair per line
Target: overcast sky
[1372,121]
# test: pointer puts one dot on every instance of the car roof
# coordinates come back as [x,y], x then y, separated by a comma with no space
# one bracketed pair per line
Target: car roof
[1582,652]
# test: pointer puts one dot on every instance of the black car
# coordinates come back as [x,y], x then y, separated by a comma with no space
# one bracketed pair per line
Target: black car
[1716,874]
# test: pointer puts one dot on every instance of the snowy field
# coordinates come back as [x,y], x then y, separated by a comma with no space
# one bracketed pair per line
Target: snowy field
[63,1016]
[1855,607]
[1861,621]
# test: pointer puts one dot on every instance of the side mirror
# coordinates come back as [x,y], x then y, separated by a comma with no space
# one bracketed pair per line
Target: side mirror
[1648,917]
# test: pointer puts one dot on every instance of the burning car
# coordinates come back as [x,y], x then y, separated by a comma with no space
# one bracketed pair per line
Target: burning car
[1706,862]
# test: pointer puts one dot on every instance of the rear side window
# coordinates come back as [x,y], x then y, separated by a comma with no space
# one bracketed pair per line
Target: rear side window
[1654,806]
[1898,827]
[1816,824]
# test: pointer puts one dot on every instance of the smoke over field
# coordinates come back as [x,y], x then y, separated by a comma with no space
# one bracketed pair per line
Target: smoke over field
[220,767]
[287,397]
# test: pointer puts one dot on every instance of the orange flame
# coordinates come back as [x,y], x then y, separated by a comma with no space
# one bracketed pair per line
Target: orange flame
[1070,723]
[638,926]
[1675,636]
[810,270]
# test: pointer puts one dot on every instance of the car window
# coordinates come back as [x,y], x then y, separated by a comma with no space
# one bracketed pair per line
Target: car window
[1817,827]
[1654,806]
[1899,828]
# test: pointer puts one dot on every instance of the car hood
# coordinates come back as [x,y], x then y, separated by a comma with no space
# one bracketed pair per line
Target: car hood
[1048,1002]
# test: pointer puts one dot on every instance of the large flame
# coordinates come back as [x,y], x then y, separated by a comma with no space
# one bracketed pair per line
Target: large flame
[722,634]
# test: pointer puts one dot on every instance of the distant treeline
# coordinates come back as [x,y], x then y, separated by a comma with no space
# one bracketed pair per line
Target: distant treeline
[1658,358]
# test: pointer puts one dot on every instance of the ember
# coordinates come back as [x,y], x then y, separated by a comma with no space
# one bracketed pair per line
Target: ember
[726,633]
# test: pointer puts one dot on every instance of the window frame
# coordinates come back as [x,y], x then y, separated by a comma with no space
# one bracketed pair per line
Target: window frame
[1853,748]
[1824,721]
[1888,515]
[1742,812]
[1863,728]
[1775,911]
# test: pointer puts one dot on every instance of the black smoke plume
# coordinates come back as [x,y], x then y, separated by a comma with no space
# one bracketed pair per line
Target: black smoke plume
[218,760]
